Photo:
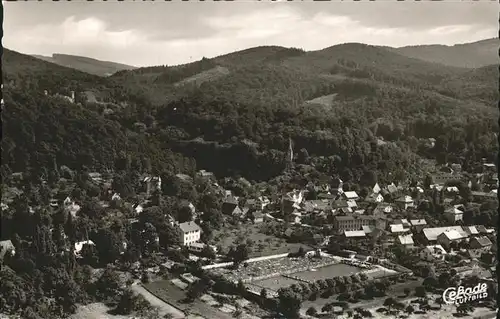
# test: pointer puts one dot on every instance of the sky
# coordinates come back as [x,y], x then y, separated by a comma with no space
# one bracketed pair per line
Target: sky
[170,33]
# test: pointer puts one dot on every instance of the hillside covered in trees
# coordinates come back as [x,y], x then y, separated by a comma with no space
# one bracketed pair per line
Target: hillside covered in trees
[251,109]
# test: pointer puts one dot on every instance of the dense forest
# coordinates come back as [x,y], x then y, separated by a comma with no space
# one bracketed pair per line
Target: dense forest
[251,112]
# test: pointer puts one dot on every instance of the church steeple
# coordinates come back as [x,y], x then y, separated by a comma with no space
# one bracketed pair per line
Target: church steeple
[289,155]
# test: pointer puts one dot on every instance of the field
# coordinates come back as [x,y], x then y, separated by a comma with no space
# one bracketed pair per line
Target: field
[275,283]
[325,100]
[263,245]
[173,295]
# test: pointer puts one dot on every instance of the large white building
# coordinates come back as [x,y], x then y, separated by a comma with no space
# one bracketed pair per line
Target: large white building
[190,233]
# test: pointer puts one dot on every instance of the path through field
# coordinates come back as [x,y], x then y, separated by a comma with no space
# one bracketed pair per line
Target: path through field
[163,307]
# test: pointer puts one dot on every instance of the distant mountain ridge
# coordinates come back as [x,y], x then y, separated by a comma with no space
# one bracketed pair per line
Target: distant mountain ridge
[467,55]
[85,64]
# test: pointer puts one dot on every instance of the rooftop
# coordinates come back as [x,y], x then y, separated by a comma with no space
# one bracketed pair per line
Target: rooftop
[406,239]
[433,233]
[189,226]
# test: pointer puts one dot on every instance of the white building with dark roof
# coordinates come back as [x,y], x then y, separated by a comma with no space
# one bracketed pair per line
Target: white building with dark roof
[190,233]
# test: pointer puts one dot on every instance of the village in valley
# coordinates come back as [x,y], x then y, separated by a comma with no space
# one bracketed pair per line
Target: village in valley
[249,250]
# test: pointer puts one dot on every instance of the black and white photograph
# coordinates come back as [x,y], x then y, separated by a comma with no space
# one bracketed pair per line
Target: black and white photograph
[249,159]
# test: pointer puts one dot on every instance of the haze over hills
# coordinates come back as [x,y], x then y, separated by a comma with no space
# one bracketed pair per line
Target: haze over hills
[469,55]
[85,64]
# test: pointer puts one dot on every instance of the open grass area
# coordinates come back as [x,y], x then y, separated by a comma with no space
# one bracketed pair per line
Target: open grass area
[263,245]
[169,293]
[275,283]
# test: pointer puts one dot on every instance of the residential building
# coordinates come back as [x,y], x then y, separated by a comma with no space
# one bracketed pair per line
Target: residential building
[482,243]
[418,222]
[374,198]
[397,229]
[431,234]
[405,202]
[433,253]
[454,214]
[350,195]
[190,233]
[447,237]
[382,209]
[376,189]
[403,221]
[471,230]
[406,240]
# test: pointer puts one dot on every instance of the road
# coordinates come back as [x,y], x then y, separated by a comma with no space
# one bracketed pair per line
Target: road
[163,307]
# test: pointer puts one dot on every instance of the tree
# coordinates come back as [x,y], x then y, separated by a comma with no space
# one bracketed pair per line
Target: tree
[420,291]
[311,311]
[410,309]
[239,254]
[289,303]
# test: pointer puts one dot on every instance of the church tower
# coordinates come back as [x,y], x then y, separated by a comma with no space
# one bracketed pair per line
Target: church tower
[289,155]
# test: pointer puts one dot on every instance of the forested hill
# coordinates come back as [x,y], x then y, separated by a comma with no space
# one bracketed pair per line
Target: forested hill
[470,55]
[337,105]
[85,64]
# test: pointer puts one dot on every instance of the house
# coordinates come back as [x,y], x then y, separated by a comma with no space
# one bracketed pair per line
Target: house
[341,204]
[397,228]
[116,197]
[390,191]
[382,209]
[431,234]
[152,184]
[405,202]
[433,253]
[454,214]
[406,240]
[6,247]
[374,198]
[447,237]
[471,230]
[404,222]
[229,206]
[350,196]
[482,243]
[190,233]
[354,234]
[418,222]
[352,204]
[376,189]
